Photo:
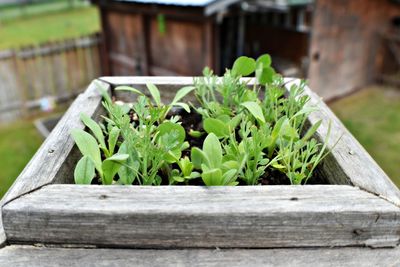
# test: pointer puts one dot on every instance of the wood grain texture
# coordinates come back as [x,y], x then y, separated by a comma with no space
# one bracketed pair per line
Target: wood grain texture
[348,162]
[54,160]
[195,216]
[27,256]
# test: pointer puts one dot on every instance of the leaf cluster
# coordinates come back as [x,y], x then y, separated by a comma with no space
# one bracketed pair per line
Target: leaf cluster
[248,133]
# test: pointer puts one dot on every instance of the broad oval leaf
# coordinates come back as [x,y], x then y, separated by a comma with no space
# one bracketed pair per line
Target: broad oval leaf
[84,171]
[265,74]
[264,71]
[265,60]
[243,66]
[88,146]
[111,166]
[212,149]
[219,128]
[255,109]
[94,127]
[168,127]
[212,177]
[230,165]
[155,93]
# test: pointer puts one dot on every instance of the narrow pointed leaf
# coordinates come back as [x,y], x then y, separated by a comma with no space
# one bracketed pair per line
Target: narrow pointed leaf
[103,92]
[255,109]
[94,127]
[129,89]
[312,130]
[88,146]
[127,174]
[112,139]
[183,105]
[229,177]
[182,93]
[155,93]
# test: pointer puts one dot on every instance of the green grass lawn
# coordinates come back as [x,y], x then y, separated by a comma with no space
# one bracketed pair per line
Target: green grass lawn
[33,30]
[18,143]
[13,11]
[373,116]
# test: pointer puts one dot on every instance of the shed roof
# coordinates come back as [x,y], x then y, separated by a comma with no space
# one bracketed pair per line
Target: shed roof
[207,2]
[213,6]
[200,3]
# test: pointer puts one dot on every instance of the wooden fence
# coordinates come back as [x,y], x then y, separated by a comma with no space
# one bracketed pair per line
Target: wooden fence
[59,70]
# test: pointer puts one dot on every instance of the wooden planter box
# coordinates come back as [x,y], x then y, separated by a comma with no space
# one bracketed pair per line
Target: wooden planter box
[360,207]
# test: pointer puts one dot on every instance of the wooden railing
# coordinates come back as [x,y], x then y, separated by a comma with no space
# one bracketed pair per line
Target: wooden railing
[57,70]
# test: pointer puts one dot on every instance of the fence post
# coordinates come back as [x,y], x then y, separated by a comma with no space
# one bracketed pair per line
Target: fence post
[18,82]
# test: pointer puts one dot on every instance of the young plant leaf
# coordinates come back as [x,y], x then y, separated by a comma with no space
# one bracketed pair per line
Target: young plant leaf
[212,177]
[265,60]
[312,130]
[255,109]
[198,158]
[182,93]
[228,177]
[168,127]
[265,75]
[111,166]
[103,91]
[219,128]
[243,66]
[95,128]
[88,146]
[182,105]
[128,173]
[112,139]
[129,89]
[84,171]
[155,93]
[212,149]
[195,134]
[264,72]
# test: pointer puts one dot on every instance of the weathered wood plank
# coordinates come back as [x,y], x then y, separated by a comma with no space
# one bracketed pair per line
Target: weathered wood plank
[26,256]
[48,163]
[159,81]
[195,216]
[348,161]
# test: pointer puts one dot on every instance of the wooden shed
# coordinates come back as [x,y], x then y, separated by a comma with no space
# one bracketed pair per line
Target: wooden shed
[350,42]
[177,37]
